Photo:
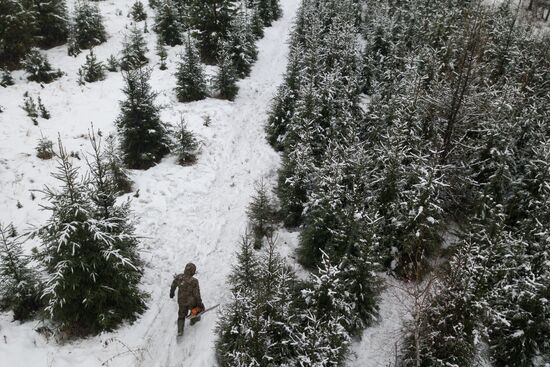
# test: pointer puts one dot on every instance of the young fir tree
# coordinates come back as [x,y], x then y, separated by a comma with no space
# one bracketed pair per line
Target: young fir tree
[262,215]
[39,69]
[30,107]
[89,254]
[118,174]
[191,82]
[226,79]
[52,22]
[162,53]
[44,113]
[320,337]
[143,137]
[5,78]
[240,44]
[236,322]
[185,145]
[92,70]
[211,19]
[18,30]
[44,149]
[256,22]
[283,105]
[168,25]
[19,283]
[269,11]
[112,64]
[138,11]
[134,50]
[87,29]
[254,327]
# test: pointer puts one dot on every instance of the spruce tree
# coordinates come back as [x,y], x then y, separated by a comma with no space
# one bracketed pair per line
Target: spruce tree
[254,327]
[118,174]
[226,79]
[52,22]
[262,215]
[191,82]
[5,78]
[185,145]
[134,50]
[112,64]
[44,149]
[89,254]
[236,321]
[143,136]
[138,11]
[168,25]
[92,70]
[240,45]
[321,338]
[211,19]
[19,283]
[162,53]
[44,113]
[256,22]
[29,106]
[18,29]
[39,69]
[87,29]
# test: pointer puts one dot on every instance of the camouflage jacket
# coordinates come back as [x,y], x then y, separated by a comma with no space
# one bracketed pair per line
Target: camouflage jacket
[189,293]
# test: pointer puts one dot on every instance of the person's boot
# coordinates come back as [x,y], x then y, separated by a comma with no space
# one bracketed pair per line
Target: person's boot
[194,320]
[181,324]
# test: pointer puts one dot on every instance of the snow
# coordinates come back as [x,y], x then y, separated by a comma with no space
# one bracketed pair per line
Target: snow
[183,214]
[380,343]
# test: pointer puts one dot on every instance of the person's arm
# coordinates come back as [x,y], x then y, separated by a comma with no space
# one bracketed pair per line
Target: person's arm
[173,287]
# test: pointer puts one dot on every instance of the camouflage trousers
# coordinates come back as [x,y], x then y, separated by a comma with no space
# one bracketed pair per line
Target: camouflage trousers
[183,311]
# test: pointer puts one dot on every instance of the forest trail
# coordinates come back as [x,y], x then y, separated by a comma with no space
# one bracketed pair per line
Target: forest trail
[198,214]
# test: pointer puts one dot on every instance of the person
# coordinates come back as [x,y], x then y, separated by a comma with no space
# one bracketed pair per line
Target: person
[189,295]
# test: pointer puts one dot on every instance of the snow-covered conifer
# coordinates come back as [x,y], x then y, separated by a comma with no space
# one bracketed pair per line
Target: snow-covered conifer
[262,215]
[240,44]
[39,69]
[86,29]
[143,137]
[118,174]
[44,113]
[138,11]
[92,70]
[44,149]
[89,256]
[19,283]
[185,145]
[162,53]
[168,25]
[225,81]
[191,82]
[5,78]
[134,48]
[52,22]
[18,30]
[211,18]
[112,64]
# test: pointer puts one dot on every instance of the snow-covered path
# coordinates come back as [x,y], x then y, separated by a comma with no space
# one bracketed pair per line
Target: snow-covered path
[199,215]
[185,214]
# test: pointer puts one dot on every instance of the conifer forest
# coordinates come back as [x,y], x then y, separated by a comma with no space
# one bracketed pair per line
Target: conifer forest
[357,183]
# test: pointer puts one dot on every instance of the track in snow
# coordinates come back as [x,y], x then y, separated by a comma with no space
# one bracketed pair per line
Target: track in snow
[199,215]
